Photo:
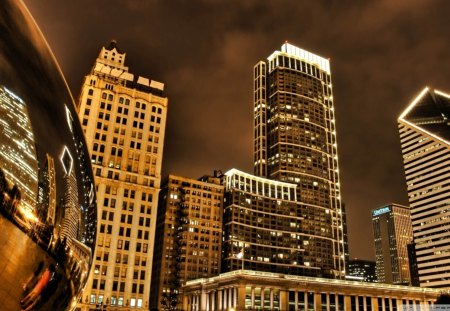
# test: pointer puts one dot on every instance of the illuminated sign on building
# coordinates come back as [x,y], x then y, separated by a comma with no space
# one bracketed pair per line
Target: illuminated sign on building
[380,211]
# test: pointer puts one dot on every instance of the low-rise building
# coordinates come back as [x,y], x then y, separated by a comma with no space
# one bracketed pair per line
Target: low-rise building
[253,290]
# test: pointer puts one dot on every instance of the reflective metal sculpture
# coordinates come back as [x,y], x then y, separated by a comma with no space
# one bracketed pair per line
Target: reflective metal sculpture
[47,197]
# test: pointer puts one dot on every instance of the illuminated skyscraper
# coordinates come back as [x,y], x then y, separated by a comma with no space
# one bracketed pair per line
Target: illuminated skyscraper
[124,117]
[17,147]
[188,237]
[72,212]
[295,142]
[392,233]
[47,192]
[424,129]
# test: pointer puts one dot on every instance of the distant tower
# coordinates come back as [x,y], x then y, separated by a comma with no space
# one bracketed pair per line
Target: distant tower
[295,142]
[392,233]
[47,192]
[424,129]
[123,116]
[70,228]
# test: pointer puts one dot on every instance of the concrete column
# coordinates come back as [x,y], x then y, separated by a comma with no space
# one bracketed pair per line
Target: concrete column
[219,300]
[317,301]
[235,299]
[306,300]
[284,300]
[253,297]
[271,299]
[225,299]
[365,304]
[374,303]
[230,301]
[390,304]
[202,304]
[213,301]
[262,297]
[383,305]
[207,301]
[185,302]
[347,303]
[240,298]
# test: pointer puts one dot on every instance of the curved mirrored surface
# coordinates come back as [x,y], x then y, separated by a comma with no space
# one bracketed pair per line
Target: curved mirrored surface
[47,197]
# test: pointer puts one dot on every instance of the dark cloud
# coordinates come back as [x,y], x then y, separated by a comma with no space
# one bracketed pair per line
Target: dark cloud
[382,52]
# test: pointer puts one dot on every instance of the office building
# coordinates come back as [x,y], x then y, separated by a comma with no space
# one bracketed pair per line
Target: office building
[18,159]
[47,192]
[72,212]
[255,290]
[123,117]
[361,270]
[425,143]
[188,237]
[392,233]
[295,142]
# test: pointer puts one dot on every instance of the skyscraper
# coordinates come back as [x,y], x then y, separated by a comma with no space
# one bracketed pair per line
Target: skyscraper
[47,192]
[295,142]
[188,242]
[18,158]
[425,142]
[124,117]
[392,233]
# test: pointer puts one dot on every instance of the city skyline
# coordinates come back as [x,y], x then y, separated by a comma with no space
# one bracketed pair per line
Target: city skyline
[377,52]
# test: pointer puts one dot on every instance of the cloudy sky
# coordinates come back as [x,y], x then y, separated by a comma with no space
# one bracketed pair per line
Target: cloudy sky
[382,54]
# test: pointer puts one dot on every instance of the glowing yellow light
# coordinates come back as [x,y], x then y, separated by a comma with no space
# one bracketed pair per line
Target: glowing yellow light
[28,214]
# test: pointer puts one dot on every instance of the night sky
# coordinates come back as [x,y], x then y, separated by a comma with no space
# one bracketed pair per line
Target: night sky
[383,53]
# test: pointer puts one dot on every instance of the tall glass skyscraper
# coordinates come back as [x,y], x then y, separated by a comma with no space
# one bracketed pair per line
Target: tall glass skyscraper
[295,142]
[424,129]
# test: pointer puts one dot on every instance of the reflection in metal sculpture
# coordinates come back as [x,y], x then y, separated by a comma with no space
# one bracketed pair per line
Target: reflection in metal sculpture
[47,197]
[17,150]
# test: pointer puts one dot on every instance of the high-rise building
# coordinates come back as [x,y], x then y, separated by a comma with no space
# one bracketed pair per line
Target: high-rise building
[295,142]
[47,192]
[72,212]
[18,158]
[123,117]
[361,270]
[425,142]
[265,229]
[392,233]
[188,242]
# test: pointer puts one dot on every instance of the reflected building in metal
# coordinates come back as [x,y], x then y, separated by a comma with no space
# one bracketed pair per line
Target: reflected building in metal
[48,211]
[47,192]
[17,147]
